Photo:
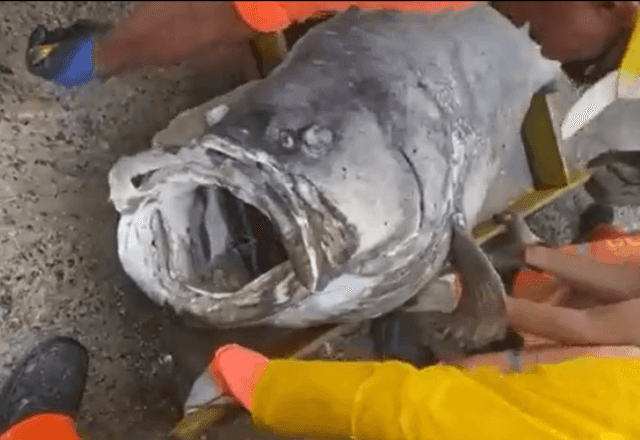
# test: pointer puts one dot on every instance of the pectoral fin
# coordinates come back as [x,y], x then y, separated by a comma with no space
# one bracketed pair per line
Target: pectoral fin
[480,317]
[483,299]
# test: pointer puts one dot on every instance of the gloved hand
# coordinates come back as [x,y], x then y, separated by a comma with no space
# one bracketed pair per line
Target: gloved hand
[231,378]
[64,56]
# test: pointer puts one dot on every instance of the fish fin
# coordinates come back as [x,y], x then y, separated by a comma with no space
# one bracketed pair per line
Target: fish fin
[480,317]
[481,312]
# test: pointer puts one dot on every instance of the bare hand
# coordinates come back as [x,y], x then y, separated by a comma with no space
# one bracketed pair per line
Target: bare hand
[604,280]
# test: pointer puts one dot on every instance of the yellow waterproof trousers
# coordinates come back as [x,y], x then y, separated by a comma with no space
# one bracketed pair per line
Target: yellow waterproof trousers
[585,398]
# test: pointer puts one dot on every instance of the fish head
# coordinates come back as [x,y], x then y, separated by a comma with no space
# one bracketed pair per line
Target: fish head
[280,203]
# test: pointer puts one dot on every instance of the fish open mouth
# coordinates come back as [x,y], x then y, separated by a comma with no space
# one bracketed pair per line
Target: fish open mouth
[215,228]
[229,236]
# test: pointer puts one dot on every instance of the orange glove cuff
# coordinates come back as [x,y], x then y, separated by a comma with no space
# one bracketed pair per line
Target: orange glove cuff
[263,16]
[41,426]
[275,16]
[238,371]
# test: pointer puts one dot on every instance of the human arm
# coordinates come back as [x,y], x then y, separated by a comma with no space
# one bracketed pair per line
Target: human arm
[165,33]
[611,324]
[395,400]
[606,274]
[161,33]
[580,398]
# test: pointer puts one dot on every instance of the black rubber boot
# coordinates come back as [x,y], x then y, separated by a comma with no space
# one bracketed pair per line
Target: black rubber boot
[51,378]
[592,217]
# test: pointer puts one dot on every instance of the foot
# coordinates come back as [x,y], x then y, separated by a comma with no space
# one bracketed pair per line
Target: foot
[64,55]
[51,378]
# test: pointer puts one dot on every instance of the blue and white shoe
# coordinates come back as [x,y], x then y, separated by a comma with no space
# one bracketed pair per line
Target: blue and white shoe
[64,55]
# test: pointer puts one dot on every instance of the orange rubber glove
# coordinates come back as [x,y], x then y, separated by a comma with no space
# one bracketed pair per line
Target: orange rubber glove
[275,16]
[237,370]
[40,426]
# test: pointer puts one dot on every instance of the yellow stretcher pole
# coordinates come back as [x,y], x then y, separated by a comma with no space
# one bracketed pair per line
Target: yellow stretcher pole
[269,49]
[542,148]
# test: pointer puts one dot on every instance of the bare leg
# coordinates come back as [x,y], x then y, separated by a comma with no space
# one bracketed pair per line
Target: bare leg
[613,324]
[557,323]
[605,281]
[617,323]
[165,33]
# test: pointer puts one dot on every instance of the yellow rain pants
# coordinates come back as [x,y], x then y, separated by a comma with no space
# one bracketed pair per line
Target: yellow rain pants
[585,398]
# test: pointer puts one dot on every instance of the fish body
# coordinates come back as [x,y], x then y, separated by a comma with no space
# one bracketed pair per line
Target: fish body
[328,191]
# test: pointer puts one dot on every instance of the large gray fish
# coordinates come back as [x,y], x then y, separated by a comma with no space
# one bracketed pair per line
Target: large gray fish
[334,189]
